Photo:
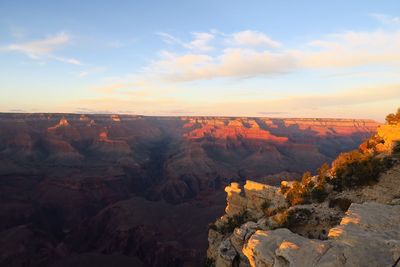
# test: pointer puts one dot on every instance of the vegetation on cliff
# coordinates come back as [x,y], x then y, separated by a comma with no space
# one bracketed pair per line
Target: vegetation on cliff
[315,204]
[393,118]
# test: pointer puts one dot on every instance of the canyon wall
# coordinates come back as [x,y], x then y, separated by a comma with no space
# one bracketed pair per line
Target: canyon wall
[142,189]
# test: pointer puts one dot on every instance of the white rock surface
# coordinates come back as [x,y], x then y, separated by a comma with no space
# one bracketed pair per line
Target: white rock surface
[369,235]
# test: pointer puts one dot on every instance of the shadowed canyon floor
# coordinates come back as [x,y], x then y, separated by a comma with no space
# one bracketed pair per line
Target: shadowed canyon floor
[90,189]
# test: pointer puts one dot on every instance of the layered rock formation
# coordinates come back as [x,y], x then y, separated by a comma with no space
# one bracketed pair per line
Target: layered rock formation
[78,187]
[331,226]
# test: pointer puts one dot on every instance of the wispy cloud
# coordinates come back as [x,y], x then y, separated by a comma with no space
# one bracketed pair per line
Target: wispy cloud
[350,49]
[43,48]
[90,71]
[200,42]
[169,39]
[386,19]
[250,38]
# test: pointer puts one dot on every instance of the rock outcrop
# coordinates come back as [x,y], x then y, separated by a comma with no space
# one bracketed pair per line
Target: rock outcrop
[315,222]
[369,235]
[390,134]
[256,199]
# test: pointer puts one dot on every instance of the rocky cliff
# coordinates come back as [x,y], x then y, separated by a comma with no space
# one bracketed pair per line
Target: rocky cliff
[344,216]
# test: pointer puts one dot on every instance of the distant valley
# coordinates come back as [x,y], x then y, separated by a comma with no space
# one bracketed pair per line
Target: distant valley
[136,189]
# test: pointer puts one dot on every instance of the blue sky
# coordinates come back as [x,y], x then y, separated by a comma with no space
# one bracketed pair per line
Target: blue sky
[236,58]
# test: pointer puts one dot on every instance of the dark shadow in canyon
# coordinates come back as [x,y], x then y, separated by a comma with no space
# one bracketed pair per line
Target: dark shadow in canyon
[79,189]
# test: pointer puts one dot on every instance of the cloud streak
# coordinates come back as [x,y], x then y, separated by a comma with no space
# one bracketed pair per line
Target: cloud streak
[250,38]
[44,48]
[386,19]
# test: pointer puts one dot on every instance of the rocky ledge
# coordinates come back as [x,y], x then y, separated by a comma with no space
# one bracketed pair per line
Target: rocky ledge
[346,215]
[369,235]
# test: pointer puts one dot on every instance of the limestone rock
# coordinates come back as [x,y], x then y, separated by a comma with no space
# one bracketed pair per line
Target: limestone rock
[214,240]
[390,134]
[226,254]
[255,199]
[236,203]
[261,197]
[282,248]
[369,235]
[240,236]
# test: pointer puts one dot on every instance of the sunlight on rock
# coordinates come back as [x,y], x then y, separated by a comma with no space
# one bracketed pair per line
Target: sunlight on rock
[335,232]
[115,118]
[288,245]
[353,219]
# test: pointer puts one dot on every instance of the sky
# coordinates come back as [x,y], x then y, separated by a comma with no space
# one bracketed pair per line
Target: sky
[212,57]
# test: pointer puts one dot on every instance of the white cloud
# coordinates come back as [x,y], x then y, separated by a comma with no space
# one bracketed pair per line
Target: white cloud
[200,42]
[44,48]
[250,38]
[232,62]
[38,48]
[334,51]
[168,38]
[351,49]
[72,61]
[386,19]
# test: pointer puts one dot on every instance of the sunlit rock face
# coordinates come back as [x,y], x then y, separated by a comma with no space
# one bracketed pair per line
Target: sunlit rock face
[251,199]
[369,235]
[356,225]
[63,175]
[390,134]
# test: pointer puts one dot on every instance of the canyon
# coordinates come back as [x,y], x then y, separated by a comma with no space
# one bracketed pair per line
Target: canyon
[91,189]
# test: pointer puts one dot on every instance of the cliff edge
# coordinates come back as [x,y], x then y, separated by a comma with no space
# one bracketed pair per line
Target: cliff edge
[347,214]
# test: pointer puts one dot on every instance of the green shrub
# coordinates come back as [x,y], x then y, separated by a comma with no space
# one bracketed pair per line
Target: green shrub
[296,217]
[297,194]
[370,144]
[323,171]
[393,118]
[357,169]
[284,188]
[318,193]
[306,179]
[233,222]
